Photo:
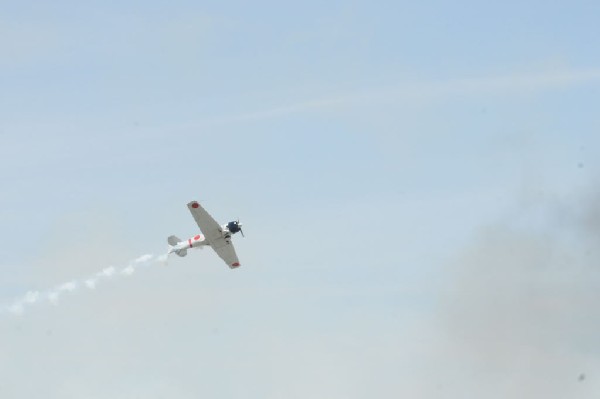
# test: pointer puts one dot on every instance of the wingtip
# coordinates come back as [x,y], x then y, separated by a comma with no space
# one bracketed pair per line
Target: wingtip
[236,264]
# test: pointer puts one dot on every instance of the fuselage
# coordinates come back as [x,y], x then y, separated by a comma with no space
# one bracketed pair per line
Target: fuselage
[181,247]
[199,240]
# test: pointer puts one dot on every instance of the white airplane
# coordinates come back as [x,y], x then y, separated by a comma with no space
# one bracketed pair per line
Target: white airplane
[213,234]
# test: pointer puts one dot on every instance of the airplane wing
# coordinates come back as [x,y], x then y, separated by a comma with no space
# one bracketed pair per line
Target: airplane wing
[213,233]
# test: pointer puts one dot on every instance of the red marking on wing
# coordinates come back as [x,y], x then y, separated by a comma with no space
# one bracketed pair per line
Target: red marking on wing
[236,264]
[196,238]
[195,205]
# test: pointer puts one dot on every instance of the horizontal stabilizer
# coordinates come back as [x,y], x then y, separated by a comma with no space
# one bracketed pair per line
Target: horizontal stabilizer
[181,252]
[173,240]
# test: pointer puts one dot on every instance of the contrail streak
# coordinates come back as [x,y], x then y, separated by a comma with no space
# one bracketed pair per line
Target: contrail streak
[20,304]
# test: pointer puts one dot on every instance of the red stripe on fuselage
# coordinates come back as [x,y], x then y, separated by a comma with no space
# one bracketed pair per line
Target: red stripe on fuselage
[190,242]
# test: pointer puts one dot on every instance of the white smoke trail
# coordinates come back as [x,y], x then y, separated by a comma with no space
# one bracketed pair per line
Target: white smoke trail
[16,308]
[31,297]
[70,286]
[109,271]
[53,295]
[90,283]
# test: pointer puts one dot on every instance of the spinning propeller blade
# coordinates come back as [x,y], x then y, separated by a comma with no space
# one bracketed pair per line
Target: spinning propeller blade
[240,226]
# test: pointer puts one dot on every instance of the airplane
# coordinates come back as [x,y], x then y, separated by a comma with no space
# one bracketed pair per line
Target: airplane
[214,235]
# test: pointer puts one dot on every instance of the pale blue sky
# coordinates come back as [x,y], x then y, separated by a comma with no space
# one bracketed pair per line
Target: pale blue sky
[416,181]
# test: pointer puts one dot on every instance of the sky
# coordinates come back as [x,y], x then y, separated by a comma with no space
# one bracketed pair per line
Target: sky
[418,184]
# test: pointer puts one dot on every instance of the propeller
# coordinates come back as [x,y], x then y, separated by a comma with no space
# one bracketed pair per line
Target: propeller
[240,226]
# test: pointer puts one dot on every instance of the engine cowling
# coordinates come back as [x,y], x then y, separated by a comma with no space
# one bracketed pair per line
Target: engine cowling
[234,227]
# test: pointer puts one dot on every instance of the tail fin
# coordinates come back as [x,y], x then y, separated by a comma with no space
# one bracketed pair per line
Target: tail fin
[173,241]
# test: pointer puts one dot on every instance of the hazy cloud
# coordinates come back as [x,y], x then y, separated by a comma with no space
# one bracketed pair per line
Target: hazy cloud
[425,91]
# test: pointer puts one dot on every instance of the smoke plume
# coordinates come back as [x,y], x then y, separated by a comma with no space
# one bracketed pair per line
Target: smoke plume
[53,295]
[520,310]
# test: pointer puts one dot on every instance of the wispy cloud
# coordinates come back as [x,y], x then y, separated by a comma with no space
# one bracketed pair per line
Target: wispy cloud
[424,91]
[516,83]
